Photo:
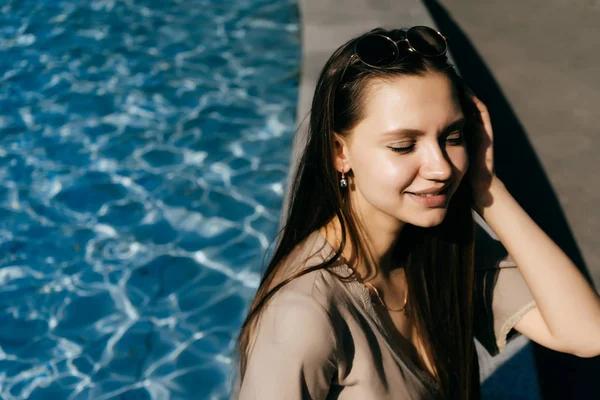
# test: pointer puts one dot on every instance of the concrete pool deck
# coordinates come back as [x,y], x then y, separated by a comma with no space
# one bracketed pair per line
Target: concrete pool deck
[539,81]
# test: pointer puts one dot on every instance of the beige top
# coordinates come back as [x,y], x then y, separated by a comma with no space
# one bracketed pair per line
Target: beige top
[321,338]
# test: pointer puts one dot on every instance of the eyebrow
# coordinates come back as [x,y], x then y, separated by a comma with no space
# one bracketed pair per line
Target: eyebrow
[459,123]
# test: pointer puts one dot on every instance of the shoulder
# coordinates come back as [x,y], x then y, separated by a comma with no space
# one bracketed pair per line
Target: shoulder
[294,351]
[301,311]
[297,323]
[318,285]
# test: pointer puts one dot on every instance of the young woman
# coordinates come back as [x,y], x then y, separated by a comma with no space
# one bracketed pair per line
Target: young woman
[374,291]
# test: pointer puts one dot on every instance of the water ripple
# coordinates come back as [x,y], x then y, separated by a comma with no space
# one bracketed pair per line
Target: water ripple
[143,156]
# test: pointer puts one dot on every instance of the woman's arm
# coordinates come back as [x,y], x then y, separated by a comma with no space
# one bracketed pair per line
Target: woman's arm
[567,316]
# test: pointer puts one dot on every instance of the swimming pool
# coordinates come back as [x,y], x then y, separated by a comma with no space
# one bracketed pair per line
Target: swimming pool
[144,152]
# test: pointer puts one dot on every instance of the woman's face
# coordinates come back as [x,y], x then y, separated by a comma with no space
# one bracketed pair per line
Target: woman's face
[409,141]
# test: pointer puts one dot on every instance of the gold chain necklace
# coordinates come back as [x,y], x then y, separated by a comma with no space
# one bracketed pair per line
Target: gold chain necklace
[369,284]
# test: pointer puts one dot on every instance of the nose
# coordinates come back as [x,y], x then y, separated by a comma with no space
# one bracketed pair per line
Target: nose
[436,165]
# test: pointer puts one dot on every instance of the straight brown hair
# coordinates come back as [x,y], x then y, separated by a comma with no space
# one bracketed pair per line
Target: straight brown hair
[438,261]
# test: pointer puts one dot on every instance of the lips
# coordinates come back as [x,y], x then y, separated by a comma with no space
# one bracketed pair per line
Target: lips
[435,201]
[430,193]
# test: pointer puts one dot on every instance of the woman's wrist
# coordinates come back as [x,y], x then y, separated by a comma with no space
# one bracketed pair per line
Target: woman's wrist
[484,198]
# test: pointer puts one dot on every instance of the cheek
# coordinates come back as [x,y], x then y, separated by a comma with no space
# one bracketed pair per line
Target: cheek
[401,173]
[386,171]
[460,159]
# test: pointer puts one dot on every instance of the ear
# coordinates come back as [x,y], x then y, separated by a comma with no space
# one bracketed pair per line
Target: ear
[341,159]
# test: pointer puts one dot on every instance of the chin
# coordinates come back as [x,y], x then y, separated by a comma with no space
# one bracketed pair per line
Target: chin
[429,221]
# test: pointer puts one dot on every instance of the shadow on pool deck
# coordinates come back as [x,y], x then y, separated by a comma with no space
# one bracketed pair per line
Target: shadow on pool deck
[560,376]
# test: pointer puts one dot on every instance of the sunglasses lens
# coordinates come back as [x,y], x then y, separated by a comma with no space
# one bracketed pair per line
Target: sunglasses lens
[426,41]
[376,50]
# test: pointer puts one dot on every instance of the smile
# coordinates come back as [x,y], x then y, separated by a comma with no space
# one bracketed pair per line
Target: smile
[431,200]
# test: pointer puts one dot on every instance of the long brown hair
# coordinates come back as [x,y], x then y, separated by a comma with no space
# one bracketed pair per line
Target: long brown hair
[438,261]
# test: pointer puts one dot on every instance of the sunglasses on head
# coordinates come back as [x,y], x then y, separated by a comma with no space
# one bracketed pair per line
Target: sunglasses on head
[377,50]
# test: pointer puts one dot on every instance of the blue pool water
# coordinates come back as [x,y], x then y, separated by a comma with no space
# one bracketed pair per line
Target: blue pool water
[144,149]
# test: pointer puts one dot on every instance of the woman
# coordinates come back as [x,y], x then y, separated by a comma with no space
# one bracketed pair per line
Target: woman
[374,290]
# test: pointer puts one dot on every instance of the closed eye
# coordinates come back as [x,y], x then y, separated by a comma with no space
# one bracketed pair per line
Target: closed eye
[403,150]
[455,138]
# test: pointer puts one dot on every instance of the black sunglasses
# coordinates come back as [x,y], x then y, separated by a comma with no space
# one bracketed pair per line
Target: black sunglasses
[377,50]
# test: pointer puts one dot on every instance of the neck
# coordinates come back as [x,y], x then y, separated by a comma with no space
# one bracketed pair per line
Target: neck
[380,240]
